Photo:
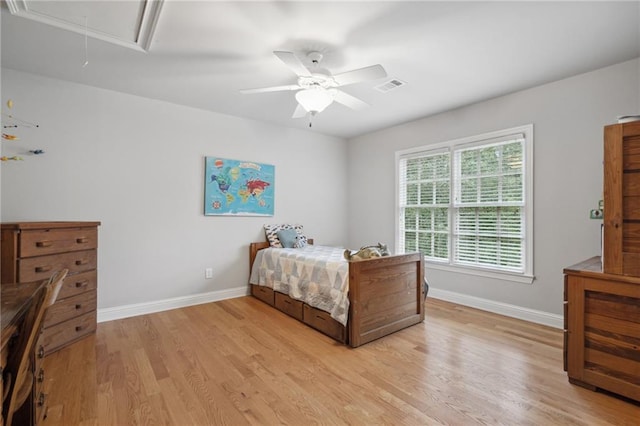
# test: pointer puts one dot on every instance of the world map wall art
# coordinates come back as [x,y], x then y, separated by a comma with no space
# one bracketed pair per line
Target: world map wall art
[238,188]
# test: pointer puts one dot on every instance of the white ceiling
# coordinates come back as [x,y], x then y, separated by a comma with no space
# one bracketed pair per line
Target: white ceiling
[202,53]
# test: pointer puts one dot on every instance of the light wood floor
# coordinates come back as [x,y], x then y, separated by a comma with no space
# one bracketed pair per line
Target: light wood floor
[241,362]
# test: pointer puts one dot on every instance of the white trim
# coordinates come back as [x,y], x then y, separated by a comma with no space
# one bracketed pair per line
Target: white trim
[513,311]
[468,139]
[498,275]
[126,311]
[148,25]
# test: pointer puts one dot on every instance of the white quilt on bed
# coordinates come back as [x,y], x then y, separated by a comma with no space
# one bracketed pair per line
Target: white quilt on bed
[316,275]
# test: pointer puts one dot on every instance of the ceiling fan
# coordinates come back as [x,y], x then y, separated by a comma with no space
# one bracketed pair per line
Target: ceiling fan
[317,88]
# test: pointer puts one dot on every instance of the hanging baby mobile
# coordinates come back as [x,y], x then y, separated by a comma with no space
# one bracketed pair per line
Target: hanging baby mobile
[12,124]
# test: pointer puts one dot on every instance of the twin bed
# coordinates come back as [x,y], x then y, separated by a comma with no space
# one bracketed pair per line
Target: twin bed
[353,302]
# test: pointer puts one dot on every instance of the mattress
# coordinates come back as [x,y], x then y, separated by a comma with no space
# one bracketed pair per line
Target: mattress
[315,275]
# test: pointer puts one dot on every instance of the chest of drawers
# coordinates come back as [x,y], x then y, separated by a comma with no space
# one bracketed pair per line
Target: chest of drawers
[34,250]
[602,329]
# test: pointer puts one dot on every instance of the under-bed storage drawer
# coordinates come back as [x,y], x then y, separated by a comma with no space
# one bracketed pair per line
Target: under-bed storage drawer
[263,293]
[323,322]
[289,306]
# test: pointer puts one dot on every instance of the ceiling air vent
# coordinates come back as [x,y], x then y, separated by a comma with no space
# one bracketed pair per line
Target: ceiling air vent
[390,85]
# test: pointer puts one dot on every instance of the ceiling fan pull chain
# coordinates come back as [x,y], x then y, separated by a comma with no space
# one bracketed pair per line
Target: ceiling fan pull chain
[86,44]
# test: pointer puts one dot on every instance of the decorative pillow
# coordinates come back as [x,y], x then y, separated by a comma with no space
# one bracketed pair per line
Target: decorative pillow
[301,240]
[288,237]
[271,232]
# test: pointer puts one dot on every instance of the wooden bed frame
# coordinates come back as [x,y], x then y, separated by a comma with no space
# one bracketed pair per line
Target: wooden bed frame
[386,294]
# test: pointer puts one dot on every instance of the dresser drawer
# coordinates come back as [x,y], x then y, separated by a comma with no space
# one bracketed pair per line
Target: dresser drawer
[48,241]
[71,307]
[60,335]
[288,305]
[41,267]
[78,283]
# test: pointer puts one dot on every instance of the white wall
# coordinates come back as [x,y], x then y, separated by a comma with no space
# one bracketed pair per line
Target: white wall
[568,118]
[137,165]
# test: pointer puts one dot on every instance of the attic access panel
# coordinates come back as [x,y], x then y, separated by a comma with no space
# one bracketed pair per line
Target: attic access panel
[126,23]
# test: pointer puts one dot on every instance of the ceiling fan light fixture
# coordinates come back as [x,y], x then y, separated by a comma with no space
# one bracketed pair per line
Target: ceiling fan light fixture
[314,99]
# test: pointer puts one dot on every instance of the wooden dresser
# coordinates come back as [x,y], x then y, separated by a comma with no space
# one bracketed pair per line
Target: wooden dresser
[602,329]
[34,250]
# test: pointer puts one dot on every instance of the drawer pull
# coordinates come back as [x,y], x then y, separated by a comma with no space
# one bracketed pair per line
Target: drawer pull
[44,244]
[319,317]
[78,306]
[82,283]
[41,399]
[41,352]
[82,240]
[78,328]
[43,268]
[82,262]
[287,301]
[41,376]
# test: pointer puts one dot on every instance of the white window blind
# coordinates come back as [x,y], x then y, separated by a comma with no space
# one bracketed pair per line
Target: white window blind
[488,206]
[468,203]
[425,190]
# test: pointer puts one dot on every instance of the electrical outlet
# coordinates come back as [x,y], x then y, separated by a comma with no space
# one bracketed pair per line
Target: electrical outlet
[595,214]
[208,273]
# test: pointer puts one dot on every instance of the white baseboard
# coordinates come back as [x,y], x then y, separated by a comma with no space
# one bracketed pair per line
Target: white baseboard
[531,315]
[126,311]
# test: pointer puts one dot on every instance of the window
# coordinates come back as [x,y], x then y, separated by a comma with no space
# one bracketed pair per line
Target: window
[469,203]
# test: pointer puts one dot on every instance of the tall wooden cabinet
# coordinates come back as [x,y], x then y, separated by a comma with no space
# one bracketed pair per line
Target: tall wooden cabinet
[602,297]
[622,199]
[35,250]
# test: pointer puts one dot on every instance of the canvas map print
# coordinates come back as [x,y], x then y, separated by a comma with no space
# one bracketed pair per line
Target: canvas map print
[234,187]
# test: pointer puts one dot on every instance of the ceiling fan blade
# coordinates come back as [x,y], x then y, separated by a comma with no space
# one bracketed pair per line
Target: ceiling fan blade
[294,64]
[299,112]
[362,74]
[350,101]
[270,89]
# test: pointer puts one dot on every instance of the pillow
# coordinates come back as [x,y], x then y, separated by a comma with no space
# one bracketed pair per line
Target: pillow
[301,240]
[271,232]
[288,237]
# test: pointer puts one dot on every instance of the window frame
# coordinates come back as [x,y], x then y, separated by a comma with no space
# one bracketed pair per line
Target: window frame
[451,146]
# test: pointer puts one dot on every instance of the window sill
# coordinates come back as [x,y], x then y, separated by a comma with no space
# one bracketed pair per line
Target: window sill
[506,276]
